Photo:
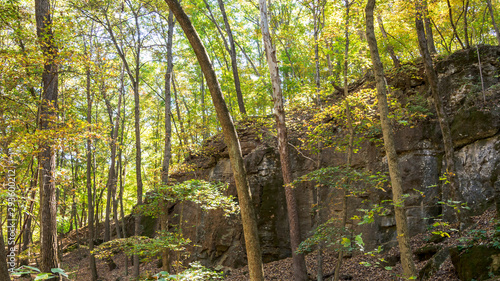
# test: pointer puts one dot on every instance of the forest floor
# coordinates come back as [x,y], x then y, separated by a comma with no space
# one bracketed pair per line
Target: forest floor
[76,262]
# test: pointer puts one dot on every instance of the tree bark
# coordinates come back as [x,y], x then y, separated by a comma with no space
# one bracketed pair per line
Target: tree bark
[492,14]
[407,262]
[234,62]
[433,81]
[299,265]
[248,217]
[47,157]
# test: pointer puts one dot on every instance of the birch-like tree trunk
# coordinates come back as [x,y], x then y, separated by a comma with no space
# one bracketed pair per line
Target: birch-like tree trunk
[299,265]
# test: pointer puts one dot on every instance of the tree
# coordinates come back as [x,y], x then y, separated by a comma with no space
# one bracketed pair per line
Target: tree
[234,62]
[455,33]
[407,262]
[299,265]
[433,81]
[492,15]
[48,115]
[390,48]
[4,272]
[428,31]
[248,217]
[167,151]
[90,193]
[112,175]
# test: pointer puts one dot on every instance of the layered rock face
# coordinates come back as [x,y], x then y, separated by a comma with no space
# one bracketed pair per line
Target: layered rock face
[475,121]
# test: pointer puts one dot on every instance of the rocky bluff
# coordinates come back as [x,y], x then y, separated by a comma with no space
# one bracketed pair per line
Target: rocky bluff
[474,116]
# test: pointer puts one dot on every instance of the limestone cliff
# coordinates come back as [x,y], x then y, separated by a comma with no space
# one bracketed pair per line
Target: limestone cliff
[475,123]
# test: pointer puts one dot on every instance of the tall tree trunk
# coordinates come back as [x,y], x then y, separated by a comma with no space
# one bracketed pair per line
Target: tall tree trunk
[316,19]
[115,201]
[390,48]
[234,64]
[350,148]
[112,176]
[4,271]
[90,196]
[47,157]
[428,31]
[167,151]
[206,132]
[466,25]
[248,217]
[407,262]
[433,81]
[133,75]
[27,226]
[455,33]
[492,14]
[121,170]
[299,265]
[183,140]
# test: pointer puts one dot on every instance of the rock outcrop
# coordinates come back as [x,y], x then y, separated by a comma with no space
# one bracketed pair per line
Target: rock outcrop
[475,124]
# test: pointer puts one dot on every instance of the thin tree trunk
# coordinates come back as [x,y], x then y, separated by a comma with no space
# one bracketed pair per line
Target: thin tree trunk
[428,31]
[122,175]
[390,48]
[167,151]
[206,131]
[90,197]
[4,270]
[115,201]
[299,265]
[492,14]
[316,54]
[234,65]
[112,176]
[433,81]
[446,47]
[183,138]
[47,158]
[27,227]
[403,237]
[455,33]
[351,136]
[248,217]
[466,25]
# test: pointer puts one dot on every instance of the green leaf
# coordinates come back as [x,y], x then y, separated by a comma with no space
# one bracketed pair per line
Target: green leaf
[32,268]
[60,271]
[44,276]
